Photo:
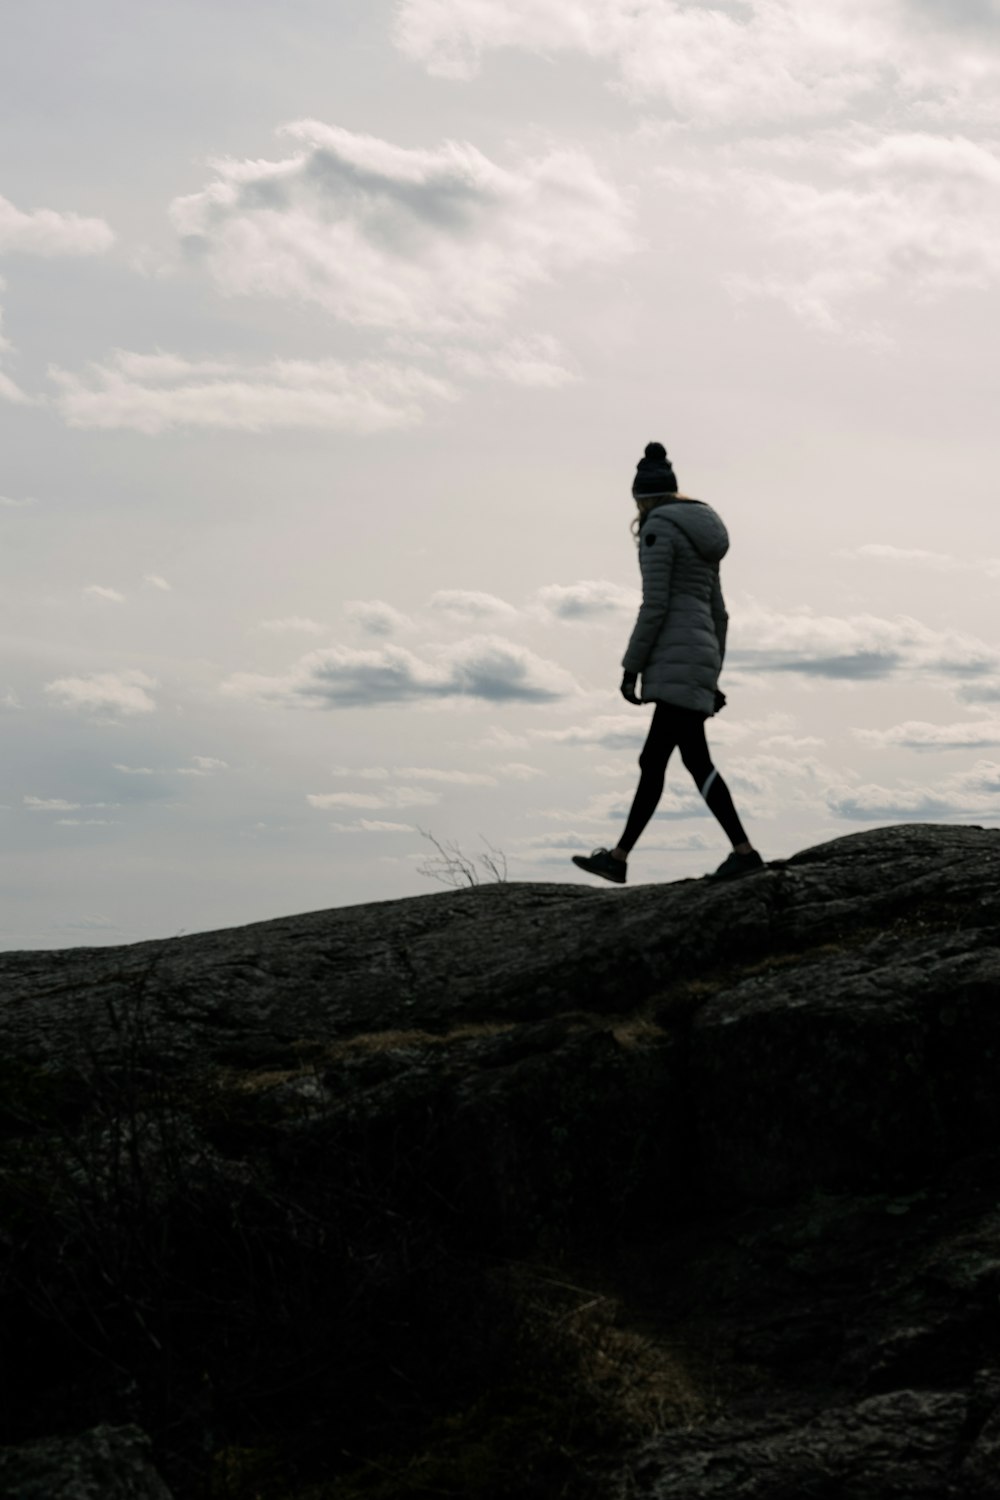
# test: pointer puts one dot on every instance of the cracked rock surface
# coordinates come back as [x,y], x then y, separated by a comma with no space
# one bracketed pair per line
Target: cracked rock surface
[763,1118]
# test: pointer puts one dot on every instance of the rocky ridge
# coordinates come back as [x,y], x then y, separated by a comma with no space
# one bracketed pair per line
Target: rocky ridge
[718,1163]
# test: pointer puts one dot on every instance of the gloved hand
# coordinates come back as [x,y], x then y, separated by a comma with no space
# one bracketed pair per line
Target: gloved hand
[720,700]
[629,681]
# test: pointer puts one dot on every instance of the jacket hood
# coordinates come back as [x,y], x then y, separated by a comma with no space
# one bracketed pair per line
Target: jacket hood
[699,523]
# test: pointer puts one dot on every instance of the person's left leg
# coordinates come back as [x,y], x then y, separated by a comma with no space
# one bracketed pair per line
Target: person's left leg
[697,758]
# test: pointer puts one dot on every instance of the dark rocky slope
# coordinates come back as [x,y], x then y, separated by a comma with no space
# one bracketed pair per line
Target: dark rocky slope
[679,1192]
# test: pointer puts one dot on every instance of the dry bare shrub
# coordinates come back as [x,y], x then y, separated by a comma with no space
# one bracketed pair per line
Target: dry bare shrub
[452,866]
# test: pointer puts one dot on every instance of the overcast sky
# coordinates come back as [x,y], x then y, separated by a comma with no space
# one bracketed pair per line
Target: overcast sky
[332,333]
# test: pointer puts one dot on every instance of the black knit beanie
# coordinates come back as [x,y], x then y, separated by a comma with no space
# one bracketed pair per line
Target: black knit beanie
[654,474]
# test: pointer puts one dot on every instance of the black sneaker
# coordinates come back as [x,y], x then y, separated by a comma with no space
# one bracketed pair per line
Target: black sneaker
[603,863]
[737,865]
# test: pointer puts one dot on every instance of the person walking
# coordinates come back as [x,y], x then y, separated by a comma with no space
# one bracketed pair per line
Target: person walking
[677,648]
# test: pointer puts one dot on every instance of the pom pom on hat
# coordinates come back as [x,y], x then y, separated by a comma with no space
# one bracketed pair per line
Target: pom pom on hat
[654,474]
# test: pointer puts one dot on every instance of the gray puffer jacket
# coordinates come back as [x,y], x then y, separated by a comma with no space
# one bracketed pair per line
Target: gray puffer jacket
[679,639]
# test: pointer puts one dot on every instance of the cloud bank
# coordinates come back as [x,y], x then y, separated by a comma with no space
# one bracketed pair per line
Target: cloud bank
[938,562]
[856,648]
[975,791]
[154,393]
[394,237]
[896,185]
[764,61]
[375,617]
[909,212]
[46,232]
[485,667]
[105,694]
[471,604]
[590,599]
[398,796]
[915,734]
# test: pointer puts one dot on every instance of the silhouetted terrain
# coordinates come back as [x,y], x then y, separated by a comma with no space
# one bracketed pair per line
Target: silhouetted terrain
[674,1193]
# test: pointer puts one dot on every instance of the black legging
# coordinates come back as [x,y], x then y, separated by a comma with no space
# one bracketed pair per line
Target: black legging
[684,728]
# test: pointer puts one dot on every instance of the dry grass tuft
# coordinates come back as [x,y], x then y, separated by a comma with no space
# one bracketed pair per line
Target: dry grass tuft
[640,1382]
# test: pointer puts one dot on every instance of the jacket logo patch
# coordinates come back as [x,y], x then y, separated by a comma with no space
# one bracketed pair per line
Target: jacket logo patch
[651,538]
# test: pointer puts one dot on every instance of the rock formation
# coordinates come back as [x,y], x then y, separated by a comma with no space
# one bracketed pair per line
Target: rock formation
[678,1192]
[106,1463]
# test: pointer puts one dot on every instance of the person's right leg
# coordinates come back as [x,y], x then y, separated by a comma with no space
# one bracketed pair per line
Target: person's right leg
[656,752]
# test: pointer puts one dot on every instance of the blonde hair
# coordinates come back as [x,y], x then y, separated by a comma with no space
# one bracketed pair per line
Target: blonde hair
[646,503]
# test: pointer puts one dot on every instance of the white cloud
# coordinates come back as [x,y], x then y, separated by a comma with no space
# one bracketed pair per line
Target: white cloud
[624,770]
[535,362]
[976,791]
[918,154]
[8,504]
[915,734]
[984,690]
[500,738]
[730,731]
[375,617]
[829,221]
[61,805]
[374,825]
[833,241]
[612,731]
[470,604]
[485,667]
[895,189]
[456,778]
[100,592]
[774,774]
[292,624]
[396,237]
[518,770]
[9,389]
[855,648]
[155,581]
[154,393]
[203,765]
[940,562]
[720,64]
[791,742]
[774,60]
[590,599]
[397,796]
[346,799]
[450,36]
[363,773]
[105,694]
[45,232]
